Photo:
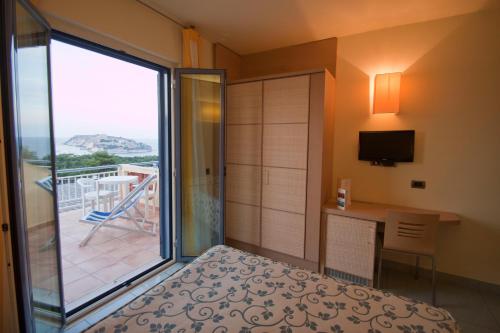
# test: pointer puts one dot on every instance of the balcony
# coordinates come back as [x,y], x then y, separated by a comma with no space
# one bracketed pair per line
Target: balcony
[111,256]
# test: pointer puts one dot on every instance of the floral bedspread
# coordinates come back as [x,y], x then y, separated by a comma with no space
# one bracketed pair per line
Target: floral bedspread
[227,290]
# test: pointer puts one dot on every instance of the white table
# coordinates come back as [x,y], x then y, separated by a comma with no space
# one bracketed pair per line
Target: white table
[122,181]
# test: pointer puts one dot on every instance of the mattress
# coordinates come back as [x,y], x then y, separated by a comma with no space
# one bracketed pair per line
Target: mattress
[228,290]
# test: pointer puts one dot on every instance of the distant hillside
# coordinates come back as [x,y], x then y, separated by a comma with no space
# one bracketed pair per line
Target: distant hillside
[111,144]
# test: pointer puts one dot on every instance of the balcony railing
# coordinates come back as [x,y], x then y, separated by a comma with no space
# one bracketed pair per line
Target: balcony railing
[69,194]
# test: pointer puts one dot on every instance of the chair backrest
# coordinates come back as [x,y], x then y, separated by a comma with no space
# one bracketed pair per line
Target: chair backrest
[86,185]
[411,232]
[132,198]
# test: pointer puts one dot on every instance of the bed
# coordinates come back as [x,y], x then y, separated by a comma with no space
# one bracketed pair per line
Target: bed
[228,290]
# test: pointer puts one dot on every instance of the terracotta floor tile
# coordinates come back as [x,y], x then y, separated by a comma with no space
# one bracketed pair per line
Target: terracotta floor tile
[80,287]
[100,237]
[111,245]
[113,272]
[85,253]
[98,263]
[66,264]
[123,252]
[140,258]
[72,274]
[134,237]
[109,255]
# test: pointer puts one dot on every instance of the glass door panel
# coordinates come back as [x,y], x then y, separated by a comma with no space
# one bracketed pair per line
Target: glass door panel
[199,158]
[111,134]
[32,162]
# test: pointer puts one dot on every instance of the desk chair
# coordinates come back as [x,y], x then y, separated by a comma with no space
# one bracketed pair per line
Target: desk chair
[413,234]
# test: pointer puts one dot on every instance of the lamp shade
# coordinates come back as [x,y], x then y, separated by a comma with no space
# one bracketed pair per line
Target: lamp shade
[386,93]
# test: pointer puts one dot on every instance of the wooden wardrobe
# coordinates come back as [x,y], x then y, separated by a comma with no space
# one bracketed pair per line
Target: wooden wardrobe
[279,140]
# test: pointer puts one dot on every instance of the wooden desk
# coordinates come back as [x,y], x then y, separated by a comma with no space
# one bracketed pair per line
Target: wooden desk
[348,237]
[378,212]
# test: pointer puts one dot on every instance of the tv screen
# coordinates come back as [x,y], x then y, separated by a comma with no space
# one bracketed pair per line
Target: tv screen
[386,146]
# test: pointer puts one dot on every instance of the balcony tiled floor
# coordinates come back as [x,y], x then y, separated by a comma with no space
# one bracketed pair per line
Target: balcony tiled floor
[109,257]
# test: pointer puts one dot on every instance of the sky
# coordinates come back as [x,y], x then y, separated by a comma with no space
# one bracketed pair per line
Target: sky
[97,94]
[33,91]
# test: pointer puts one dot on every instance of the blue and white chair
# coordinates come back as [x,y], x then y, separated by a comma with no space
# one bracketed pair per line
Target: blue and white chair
[121,210]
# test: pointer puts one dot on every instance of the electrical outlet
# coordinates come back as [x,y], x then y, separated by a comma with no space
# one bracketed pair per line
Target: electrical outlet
[418,184]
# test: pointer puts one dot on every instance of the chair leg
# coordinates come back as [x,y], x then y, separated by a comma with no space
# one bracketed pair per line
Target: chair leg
[417,264]
[379,273]
[433,281]
[90,234]
[146,207]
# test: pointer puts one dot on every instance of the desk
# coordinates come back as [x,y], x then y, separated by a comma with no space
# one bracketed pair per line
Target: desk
[378,212]
[348,237]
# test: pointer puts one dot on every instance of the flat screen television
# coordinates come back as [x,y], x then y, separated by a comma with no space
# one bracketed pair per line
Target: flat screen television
[386,147]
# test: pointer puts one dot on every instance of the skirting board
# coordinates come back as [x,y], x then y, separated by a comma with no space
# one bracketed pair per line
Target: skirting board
[301,263]
[458,280]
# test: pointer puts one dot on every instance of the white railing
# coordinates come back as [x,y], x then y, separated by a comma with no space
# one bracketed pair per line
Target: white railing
[69,194]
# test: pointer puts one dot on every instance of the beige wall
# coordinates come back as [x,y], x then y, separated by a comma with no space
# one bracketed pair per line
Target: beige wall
[228,60]
[124,25]
[309,56]
[450,95]
[314,55]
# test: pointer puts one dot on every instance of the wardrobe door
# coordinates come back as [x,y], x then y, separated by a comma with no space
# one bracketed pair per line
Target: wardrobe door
[283,232]
[285,145]
[243,184]
[284,189]
[286,100]
[244,103]
[243,222]
[243,162]
[244,144]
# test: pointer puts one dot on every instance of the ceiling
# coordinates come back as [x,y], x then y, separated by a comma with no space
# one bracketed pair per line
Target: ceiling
[248,26]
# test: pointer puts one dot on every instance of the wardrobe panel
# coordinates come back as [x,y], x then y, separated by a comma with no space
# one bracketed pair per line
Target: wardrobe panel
[243,223]
[243,184]
[244,103]
[283,232]
[285,145]
[284,189]
[286,100]
[243,144]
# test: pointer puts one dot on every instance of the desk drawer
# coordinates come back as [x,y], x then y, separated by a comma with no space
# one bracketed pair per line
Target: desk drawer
[350,246]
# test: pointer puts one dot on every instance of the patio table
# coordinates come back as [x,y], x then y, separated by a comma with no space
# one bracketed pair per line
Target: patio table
[122,181]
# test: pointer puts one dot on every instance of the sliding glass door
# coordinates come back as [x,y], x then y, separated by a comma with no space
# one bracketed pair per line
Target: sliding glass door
[26,98]
[113,111]
[199,160]
[111,133]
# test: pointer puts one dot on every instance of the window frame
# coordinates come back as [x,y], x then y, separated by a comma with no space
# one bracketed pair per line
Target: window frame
[165,156]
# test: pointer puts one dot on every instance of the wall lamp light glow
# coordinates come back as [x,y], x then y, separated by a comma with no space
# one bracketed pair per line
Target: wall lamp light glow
[386,93]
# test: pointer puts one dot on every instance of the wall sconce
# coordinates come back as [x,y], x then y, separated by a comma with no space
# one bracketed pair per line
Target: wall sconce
[386,94]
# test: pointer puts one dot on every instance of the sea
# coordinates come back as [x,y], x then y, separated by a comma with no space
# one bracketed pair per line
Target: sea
[41,146]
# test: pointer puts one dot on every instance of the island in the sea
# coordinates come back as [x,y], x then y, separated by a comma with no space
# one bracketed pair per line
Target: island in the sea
[108,143]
